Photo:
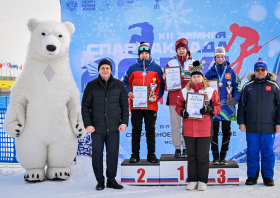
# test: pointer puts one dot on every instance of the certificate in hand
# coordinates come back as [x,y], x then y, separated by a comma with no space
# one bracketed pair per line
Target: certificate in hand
[173,78]
[215,85]
[141,96]
[195,102]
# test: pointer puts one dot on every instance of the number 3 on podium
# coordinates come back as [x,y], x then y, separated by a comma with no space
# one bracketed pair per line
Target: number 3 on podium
[222,178]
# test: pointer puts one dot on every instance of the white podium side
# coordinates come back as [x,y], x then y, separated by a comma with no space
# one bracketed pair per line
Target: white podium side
[173,171]
[141,173]
[224,174]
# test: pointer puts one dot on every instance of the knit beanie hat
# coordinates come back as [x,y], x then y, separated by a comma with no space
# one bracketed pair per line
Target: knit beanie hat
[143,47]
[182,42]
[197,68]
[105,62]
[219,50]
[260,63]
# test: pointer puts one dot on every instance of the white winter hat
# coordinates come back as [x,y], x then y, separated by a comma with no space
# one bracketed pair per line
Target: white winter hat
[220,50]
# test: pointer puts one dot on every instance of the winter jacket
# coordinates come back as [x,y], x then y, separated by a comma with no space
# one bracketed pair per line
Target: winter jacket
[134,76]
[105,105]
[259,107]
[172,95]
[227,113]
[195,127]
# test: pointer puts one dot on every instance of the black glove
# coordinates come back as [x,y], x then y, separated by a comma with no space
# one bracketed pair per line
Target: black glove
[207,109]
[184,114]
[232,102]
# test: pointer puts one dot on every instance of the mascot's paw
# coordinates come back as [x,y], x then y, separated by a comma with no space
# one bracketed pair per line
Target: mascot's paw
[58,173]
[79,130]
[15,128]
[34,175]
[18,129]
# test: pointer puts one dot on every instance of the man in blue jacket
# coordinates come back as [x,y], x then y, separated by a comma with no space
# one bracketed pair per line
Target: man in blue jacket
[259,115]
[230,88]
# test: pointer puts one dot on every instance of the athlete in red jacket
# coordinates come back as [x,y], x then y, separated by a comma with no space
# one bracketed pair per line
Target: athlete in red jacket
[144,72]
[198,133]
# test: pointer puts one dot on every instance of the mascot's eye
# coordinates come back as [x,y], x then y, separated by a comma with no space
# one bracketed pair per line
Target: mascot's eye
[43,33]
[60,36]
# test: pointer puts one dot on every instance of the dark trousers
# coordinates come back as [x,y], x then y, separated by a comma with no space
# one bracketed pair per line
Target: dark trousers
[198,158]
[226,135]
[111,141]
[150,118]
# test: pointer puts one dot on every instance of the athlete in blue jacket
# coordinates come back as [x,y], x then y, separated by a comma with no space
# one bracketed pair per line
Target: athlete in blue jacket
[230,88]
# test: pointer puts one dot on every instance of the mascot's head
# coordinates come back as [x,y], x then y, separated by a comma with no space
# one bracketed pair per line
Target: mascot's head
[49,39]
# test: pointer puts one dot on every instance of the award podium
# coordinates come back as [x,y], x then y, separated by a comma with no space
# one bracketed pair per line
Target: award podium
[173,171]
[141,173]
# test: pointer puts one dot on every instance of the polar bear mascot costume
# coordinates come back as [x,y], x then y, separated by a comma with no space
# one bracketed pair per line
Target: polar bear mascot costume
[44,112]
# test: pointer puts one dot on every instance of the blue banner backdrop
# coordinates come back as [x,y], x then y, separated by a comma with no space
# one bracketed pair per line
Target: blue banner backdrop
[114,29]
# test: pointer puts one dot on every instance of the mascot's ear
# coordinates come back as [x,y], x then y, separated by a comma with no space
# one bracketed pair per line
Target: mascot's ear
[70,27]
[32,23]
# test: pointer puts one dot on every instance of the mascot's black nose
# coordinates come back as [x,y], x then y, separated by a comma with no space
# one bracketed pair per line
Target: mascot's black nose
[51,48]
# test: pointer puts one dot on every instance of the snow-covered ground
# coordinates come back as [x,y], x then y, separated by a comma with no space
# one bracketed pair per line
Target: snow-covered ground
[82,184]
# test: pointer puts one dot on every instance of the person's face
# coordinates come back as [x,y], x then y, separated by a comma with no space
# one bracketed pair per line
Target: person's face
[105,71]
[197,79]
[182,51]
[145,55]
[260,72]
[220,58]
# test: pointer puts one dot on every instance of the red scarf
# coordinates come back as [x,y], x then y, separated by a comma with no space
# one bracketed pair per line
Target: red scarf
[144,59]
[197,87]
[182,59]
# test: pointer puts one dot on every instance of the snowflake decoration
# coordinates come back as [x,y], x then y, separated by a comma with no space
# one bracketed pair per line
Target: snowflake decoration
[174,15]
[103,27]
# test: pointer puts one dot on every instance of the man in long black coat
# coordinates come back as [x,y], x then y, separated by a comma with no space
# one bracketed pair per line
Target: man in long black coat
[105,114]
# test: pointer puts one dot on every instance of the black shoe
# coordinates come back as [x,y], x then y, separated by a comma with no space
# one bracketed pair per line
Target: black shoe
[152,159]
[268,181]
[100,185]
[216,156]
[223,155]
[114,185]
[177,153]
[251,181]
[134,158]
[184,153]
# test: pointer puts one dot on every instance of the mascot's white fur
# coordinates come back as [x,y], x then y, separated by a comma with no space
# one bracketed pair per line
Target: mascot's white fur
[44,112]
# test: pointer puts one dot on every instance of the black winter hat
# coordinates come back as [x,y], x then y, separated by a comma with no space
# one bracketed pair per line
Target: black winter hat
[197,68]
[105,62]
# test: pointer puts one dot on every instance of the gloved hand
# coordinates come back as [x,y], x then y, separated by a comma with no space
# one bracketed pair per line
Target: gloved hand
[207,109]
[184,114]
[231,102]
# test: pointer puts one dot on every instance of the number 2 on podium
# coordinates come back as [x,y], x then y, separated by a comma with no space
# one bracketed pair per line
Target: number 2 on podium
[142,173]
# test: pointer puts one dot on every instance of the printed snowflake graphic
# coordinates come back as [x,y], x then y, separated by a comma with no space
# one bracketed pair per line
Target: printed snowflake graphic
[174,15]
[103,27]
